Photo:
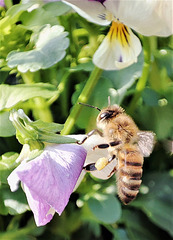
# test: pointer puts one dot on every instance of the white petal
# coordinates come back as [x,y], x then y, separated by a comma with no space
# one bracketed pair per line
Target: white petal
[165,12]
[148,17]
[79,180]
[13,181]
[94,155]
[118,50]
[91,10]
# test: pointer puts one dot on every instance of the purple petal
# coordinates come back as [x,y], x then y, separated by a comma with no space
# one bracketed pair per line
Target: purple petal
[50,179]
[39,207]
[2,4]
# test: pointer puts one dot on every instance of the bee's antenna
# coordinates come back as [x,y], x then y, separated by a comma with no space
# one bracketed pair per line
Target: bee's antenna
[109,101]
[87,105]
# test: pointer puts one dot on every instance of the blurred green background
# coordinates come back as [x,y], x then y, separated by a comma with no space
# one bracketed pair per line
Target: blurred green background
[94,210]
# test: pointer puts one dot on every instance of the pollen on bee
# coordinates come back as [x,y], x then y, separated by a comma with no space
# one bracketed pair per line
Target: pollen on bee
[101,163]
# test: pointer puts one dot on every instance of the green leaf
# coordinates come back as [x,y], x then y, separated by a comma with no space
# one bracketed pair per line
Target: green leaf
[94,227]
[138,226]
[16,232]
[164,60]
[6,127]
[49,49]
[37,18]
[14,94]
[49,127]
[14,203]
[157,203]
[15,38]
[3,75]
[150,97]
[15,10]
[163,120]
[161,116]
[68,223]
[106,208]
[13,14]
[120,234]
[7,161]
[56,138]
[56,8]
[88,67]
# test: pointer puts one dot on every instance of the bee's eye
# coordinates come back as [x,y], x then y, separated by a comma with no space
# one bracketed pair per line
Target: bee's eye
[105,115]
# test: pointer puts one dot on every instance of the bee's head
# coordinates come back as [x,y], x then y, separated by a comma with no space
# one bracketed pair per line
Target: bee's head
[107,114]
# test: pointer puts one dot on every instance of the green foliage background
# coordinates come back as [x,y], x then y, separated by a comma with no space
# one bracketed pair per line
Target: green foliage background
[47,88]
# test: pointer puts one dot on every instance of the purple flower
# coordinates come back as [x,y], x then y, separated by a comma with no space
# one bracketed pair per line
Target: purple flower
[49,179]
[2,4]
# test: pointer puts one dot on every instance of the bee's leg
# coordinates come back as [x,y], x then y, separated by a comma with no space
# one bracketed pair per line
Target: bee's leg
[99,165]
[112,172]
[114,169]
[111,158]
[107,145]
[90,167]
[89,135]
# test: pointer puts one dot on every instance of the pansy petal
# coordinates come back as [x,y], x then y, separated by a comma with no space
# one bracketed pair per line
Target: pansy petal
[119,49]
[165,12]
[146,17]
[94,155]
[93,11]
[39,207]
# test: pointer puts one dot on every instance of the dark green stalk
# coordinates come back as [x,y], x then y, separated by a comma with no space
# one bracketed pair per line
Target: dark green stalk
[84,96]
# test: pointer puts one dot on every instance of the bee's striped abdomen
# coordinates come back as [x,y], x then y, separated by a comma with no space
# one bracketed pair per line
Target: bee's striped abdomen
[129,173]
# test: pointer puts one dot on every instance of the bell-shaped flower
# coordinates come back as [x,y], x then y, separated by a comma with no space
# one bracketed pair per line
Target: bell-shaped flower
[49,166]
[49,179]
[121,47]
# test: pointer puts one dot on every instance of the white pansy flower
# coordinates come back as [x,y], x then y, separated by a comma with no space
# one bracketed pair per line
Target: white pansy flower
[121,47]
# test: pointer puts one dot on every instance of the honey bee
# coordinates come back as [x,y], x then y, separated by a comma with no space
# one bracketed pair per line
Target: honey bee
[126,144]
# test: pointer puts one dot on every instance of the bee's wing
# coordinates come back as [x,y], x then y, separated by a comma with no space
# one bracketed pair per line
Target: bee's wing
[146,142]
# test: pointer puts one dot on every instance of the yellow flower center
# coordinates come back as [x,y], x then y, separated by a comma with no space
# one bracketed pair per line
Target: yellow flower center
[120,32]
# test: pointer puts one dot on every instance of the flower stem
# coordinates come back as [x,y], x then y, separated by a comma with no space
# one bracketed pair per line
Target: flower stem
[41,109]
[145,73]
[83,97]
